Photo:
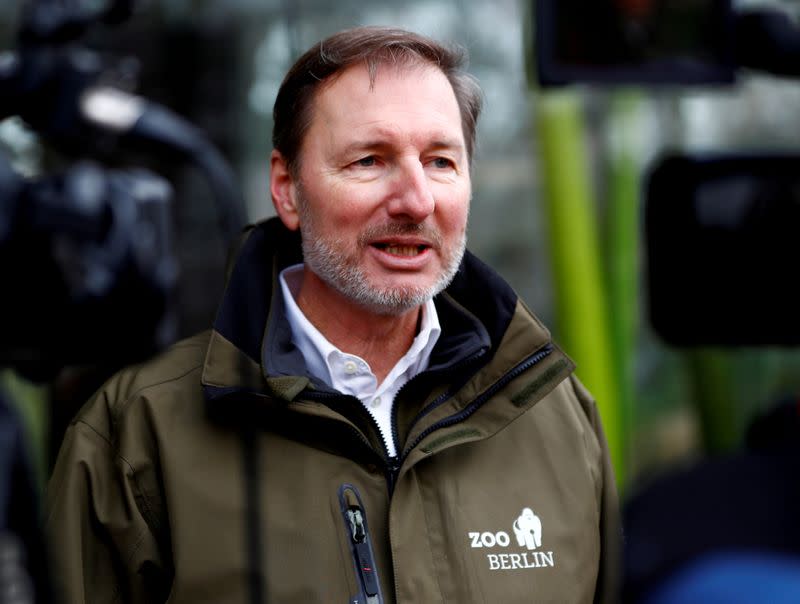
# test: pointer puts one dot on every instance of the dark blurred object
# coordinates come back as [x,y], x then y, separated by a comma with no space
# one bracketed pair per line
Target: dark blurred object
[768,41]
[721,234]
[634,41]
[735,577]
[659,42]
[723,514]
[23,572]
[89,254]
[777,431]
[63,20]
[196,69]
[69,95]
[77,99]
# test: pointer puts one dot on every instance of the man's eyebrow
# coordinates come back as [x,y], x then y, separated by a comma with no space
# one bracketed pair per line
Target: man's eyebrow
[447,143]
[383,143]
[366,144]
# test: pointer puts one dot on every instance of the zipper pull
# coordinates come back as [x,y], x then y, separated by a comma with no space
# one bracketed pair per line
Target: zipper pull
[364,559]
[361,546]
[356,524]
[392,470]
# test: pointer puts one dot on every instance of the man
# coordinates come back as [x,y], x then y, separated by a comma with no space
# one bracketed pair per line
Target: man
[374,419]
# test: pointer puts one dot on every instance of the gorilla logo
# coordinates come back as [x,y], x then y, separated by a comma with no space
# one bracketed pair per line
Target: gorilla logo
[528,529]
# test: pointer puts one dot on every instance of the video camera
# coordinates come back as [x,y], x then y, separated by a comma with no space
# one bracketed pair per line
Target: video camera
[719,227]
[87,251]
[89,258]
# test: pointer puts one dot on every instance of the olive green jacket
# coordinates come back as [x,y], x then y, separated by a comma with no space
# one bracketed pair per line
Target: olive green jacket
[221,472]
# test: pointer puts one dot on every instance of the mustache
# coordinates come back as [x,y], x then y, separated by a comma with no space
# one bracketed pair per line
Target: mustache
[383,231]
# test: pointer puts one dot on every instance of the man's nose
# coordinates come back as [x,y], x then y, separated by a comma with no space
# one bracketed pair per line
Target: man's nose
[411,197]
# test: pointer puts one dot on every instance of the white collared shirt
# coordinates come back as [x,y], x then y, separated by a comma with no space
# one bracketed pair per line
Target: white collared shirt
[351,374]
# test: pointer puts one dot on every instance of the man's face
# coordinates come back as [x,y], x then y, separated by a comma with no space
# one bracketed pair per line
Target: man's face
[384,187]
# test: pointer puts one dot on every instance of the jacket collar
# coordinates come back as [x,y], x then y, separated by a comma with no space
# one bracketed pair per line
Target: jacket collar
[251,347]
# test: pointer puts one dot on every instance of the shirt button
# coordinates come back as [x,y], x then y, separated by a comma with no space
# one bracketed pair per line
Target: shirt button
[350,367]
[376,401]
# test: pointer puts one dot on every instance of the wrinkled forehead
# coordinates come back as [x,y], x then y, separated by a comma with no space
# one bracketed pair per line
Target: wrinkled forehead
[349,91]
[410,67]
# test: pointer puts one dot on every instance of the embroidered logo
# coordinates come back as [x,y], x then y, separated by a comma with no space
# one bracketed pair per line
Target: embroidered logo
[527,529]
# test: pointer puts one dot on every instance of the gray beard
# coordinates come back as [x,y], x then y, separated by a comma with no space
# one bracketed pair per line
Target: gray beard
[344,275]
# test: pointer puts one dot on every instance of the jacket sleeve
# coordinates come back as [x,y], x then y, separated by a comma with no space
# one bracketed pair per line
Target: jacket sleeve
[609,575]
[101,547]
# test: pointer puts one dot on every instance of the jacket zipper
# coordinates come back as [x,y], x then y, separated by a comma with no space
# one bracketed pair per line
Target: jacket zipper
[316,395]
[393,464]
[357,529]
[467,411]
[437,401]
[390,463]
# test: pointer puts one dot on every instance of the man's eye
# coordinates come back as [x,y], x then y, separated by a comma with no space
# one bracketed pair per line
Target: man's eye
[366,162]
[442,163]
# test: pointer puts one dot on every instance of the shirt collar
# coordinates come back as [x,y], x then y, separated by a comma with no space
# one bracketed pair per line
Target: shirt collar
[319,353]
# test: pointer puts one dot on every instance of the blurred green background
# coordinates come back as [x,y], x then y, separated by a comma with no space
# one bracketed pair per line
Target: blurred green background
[557,194]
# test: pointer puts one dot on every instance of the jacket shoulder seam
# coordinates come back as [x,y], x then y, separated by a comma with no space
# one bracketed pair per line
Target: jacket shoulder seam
[110,445]
[128,399]
[102,436]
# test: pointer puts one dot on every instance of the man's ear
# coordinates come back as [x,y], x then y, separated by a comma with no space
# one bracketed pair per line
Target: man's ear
[283,190]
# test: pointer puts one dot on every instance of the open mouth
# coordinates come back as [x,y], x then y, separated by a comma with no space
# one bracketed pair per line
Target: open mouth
[401,250]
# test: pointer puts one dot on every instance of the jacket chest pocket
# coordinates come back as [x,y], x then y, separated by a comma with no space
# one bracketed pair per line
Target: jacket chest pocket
[357,547]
